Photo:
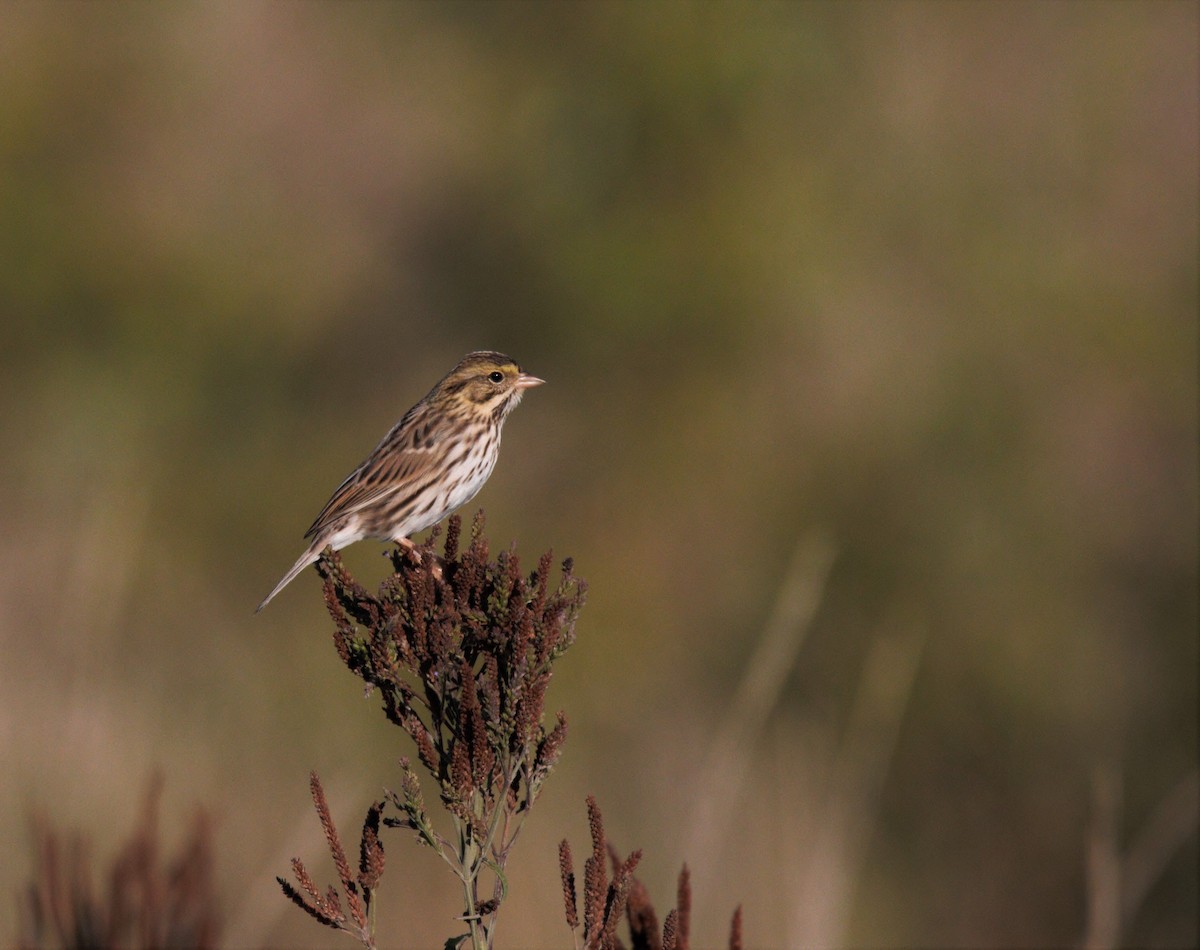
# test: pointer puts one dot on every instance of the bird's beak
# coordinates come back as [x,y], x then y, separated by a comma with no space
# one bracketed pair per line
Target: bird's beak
[525,381]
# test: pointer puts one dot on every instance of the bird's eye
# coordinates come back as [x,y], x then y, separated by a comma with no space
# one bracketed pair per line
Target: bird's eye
[496,376]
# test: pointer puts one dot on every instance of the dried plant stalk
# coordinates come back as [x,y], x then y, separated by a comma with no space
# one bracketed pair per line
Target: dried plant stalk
[461,649]
[605,902]
[146,901]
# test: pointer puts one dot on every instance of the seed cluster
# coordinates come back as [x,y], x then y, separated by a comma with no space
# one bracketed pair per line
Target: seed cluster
[461,649]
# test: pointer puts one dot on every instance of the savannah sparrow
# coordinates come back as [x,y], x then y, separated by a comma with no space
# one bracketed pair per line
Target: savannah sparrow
[433,461]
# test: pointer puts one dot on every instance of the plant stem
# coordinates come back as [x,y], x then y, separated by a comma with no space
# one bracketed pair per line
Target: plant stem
[469,861]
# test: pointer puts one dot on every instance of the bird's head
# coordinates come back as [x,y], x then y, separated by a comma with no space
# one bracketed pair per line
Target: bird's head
[485,384]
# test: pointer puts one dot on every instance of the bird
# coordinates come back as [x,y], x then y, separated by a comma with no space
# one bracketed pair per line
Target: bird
[431,462]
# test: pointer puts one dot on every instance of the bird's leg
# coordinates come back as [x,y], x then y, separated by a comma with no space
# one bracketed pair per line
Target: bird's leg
[408,545]
[435,567]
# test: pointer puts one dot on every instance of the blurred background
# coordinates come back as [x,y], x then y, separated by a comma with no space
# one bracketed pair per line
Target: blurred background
[871,340]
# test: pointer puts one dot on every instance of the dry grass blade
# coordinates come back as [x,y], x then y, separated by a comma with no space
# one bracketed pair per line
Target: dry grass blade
[850,804]
[1119,883]
[726,762]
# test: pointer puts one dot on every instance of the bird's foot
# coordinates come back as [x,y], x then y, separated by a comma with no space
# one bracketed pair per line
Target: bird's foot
[407,544]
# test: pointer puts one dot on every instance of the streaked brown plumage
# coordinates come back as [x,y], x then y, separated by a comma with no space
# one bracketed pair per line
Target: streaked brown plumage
[433,461]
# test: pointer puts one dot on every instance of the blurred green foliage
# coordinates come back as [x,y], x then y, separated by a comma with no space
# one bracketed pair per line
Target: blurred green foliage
[922,277]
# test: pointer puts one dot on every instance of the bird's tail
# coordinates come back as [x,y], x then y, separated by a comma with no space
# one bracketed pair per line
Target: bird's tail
[307,558]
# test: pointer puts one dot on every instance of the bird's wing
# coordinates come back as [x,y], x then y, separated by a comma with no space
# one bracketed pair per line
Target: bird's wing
[403,457]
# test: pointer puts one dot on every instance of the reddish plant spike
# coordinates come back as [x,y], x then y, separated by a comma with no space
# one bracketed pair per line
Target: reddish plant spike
[342,628]
[489,688]
[306,880]
[338,853]
[551,637]
[595,825]
[526,628]
[350,594]
[670,931]
[341,643]
[371,856]
[295,897]
[327,826]
[567,870]
[618,892]
[333,905]
[410,784]
[624,873]
[450,549]
[595,884]
[418,616]
[529,712]
[595,887]
[549,747]
[735,930]
[460,771]
[548,751]
[425,750]
[684,903]
[541,579]
[379,668]
[643,921]
[474,737]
